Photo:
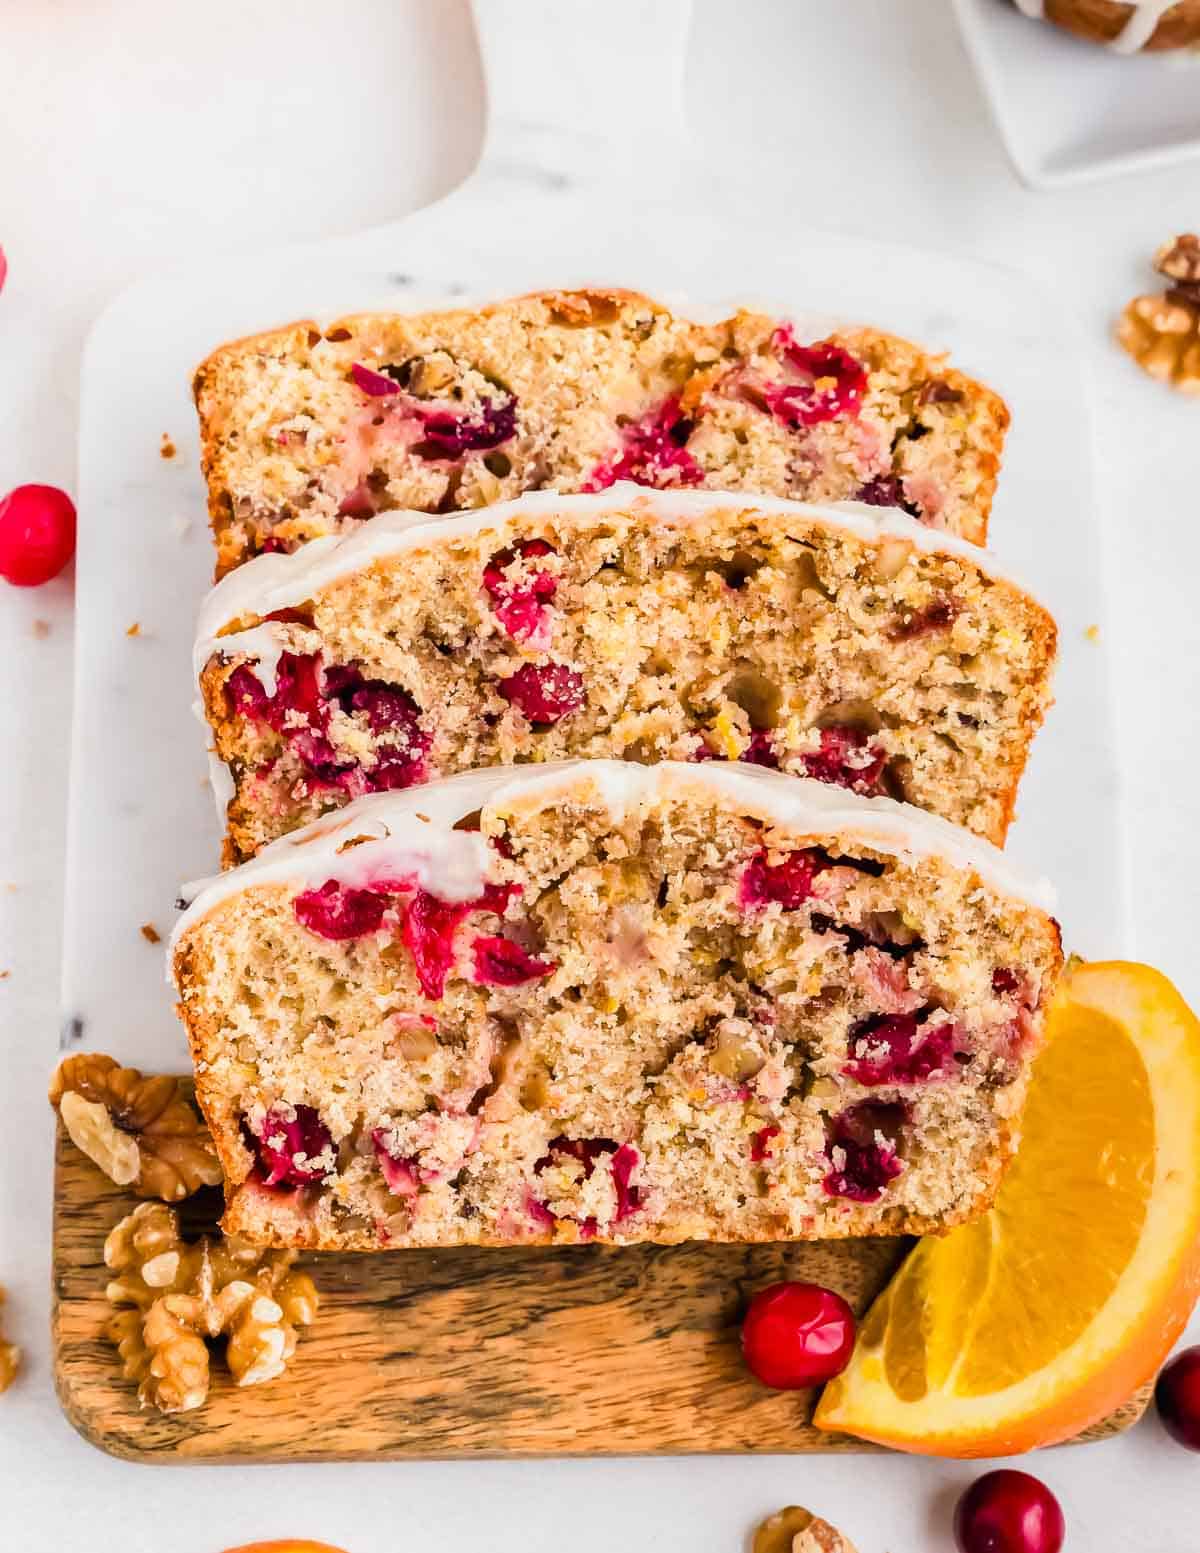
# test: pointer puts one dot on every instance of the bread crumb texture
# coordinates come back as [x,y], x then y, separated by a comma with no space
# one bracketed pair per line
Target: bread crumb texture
[676,1022]
[741,634]
[306,432]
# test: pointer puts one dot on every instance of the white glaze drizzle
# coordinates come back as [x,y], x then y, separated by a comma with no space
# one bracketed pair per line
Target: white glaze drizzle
[401,842]
[411,833]
[1141,26]
[262,646]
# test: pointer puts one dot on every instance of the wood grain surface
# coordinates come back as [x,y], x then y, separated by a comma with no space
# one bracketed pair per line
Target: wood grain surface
[580,1351]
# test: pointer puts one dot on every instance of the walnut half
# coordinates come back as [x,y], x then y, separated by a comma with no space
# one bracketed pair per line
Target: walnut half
[793,1530]
[142,1131]
[1162,333]
[1163,337]
[177,1295]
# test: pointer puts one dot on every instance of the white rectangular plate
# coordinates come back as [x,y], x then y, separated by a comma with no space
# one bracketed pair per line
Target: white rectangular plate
[1070,111]
[548,208]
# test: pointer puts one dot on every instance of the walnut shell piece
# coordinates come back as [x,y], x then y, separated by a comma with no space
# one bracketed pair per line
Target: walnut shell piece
[177,1295]
[793,1530]
[142,1131]
[1163,337]
[10,1358]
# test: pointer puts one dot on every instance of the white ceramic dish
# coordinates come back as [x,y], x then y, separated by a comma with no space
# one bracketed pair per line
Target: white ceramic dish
[1070,111]
[550,206]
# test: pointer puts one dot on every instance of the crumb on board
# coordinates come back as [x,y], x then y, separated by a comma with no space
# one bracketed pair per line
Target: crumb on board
[1092,633]
[167,448]
[150,933]
[4,975]
[135,629]
[41,629]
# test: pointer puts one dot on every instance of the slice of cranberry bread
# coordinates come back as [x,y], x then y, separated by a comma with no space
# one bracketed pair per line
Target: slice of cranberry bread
[849,644]
[610,1001]
[307,431]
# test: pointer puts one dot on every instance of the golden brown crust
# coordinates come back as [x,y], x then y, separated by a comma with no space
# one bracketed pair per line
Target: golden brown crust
[578,307]
[283,443]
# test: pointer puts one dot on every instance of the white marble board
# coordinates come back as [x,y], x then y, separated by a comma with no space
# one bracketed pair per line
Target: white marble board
[576,185]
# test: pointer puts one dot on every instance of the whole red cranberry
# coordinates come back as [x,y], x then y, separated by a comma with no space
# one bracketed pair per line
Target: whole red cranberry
[37,534]
[1009,1512]
[1177,1397]
[797,1334]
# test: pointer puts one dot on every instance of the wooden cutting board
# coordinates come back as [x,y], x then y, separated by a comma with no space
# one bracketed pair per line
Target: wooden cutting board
[580,1351]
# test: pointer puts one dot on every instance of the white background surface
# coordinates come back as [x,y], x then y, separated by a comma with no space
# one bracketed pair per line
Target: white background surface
[135,135]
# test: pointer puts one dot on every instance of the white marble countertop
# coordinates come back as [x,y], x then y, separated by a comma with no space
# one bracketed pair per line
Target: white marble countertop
[136,135]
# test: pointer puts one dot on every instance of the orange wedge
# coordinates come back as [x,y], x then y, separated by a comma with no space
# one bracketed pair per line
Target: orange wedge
[286,1546]
[1046,1314]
